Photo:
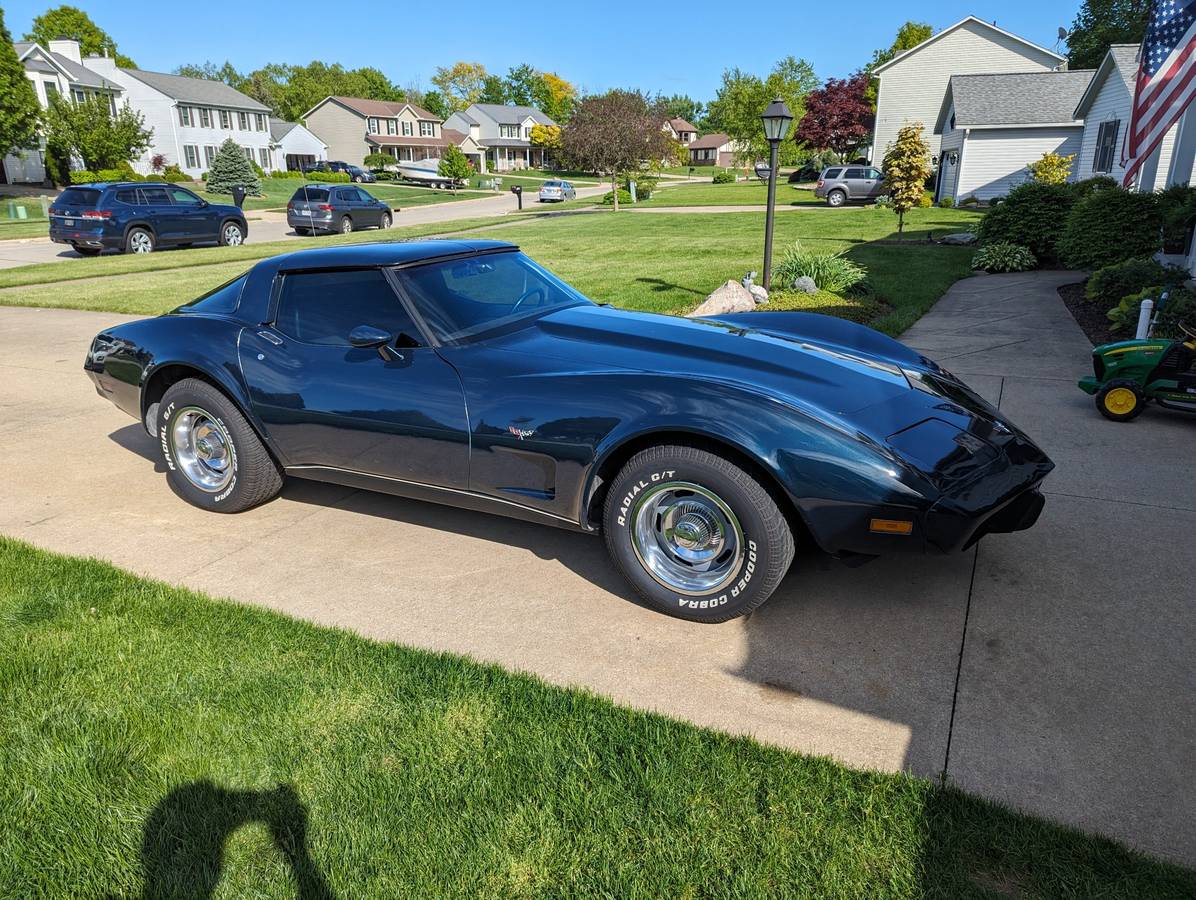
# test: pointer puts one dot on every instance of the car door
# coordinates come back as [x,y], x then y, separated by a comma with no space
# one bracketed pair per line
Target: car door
[856,183]
[163,217]
[876,183]
[197,221]
[371,209]
[396,414]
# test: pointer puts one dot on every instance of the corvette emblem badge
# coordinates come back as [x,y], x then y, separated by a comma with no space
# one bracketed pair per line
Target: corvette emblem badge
[521,433]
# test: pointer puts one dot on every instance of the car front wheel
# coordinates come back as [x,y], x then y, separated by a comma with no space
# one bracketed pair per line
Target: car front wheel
[836,198]
[214,459]
[386,220]
[697,536]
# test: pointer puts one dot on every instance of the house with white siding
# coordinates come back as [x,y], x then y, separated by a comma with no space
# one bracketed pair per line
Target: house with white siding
[294,147]
[1105,108]
[502,134]
[992,126]
[912,84]
[54,70]
[191,117]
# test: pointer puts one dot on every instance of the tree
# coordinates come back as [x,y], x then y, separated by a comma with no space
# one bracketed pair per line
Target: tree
[434,102]
[1051,168]
[212,72]
[378,160]
[455,165]
[461,83]
[909,36]
[19,109]
[555,97]
[682,106]
[90,130]
[494,90]
[232,168]
[291,90]
[617,132]
[742,97]
[838,116]
[72,22]
[546,136]
[907,166]
[1100,23]
[522,84]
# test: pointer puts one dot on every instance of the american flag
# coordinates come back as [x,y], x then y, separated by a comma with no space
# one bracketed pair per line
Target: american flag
[1166,80]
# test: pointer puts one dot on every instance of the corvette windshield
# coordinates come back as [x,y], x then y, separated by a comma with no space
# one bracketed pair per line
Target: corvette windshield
[461,299]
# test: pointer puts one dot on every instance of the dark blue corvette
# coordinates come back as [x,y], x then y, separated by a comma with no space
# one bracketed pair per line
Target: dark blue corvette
[462,372]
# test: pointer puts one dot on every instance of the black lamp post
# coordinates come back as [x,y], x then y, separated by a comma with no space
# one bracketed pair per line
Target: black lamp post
[776,121]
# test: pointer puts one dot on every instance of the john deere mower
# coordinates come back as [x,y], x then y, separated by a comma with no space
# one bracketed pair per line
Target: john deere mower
[1129,374]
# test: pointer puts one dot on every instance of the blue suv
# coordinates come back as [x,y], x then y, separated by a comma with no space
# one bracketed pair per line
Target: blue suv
[139,217]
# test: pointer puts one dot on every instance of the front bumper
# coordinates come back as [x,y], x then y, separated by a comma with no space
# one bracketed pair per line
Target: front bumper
[1088,384]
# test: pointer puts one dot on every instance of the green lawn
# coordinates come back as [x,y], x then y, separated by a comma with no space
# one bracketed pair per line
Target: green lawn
[13,226]
[663,262]
[161,744]
[742,193]
[699,172]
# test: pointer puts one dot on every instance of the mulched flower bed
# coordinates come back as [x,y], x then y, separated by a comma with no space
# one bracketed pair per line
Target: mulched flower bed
[1088,315]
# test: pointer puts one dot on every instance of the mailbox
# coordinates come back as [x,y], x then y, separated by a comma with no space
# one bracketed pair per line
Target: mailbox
[517,190]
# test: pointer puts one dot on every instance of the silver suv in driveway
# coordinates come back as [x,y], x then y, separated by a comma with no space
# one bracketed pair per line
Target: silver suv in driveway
[838,184]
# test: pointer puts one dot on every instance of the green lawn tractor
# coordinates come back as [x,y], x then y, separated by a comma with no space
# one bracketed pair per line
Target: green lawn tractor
[1129,374]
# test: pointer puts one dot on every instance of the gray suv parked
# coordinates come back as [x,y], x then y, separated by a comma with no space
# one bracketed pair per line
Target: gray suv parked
[342,207]
[838,184]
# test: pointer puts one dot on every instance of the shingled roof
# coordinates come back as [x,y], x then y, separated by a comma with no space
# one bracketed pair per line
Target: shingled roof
[1019,98]
[200,91]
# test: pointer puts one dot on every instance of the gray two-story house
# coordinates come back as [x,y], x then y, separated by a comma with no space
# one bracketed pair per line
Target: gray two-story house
[502,134]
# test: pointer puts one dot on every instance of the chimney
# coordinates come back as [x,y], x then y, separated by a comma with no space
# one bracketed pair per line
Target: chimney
[66,47]
[103,65]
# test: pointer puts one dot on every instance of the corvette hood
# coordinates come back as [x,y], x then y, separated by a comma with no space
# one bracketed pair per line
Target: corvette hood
[811,360]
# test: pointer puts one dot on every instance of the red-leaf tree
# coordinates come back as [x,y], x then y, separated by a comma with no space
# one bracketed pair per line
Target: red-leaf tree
[838,116]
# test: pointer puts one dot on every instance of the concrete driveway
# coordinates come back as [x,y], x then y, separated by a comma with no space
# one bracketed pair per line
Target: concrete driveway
[1050,669]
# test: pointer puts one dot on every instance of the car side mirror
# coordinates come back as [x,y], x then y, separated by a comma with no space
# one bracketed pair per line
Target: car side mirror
[368,336]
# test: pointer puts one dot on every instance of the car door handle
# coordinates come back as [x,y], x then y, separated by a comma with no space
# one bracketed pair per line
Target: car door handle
[272,338]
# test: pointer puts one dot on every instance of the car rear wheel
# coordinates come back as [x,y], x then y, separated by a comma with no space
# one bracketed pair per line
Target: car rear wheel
[346,225]
[697,536]
[232,234]
[139,240]
[1120,400]
[386,220]
[214,459]
[836,198]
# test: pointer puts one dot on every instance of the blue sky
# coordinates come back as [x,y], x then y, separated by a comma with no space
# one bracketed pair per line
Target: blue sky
[682,49]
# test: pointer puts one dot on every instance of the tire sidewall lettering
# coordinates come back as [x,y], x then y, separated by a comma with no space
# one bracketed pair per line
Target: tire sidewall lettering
[168,454]
[748,570]
[641,484]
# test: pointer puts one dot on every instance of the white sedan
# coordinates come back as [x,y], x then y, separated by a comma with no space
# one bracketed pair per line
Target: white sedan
[558,191]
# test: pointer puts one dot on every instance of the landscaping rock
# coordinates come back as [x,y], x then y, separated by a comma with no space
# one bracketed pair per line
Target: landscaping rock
[758,292]
[731,297]
[962,238]
[805,284]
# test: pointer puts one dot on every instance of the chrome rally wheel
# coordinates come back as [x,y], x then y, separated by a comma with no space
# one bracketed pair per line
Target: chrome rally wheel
[687,538]
[696,535]
[202,448]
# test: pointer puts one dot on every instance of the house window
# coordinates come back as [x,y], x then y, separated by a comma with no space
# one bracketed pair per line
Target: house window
[248,153]
[508,131]
[205,117]
[1106,145]
[407,129]
[51,91]
[392,127]
[226,121]
[209,154]
[191,154]
[263,154]
[260,122]
[184,115]
[243,121]
[373,125]
[427,129]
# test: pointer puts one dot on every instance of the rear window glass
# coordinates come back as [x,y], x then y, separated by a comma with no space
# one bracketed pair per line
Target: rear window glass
[219,300]
[552,184]
[79,197]
[306,194]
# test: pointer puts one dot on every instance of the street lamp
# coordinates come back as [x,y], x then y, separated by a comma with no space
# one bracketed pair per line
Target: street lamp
[776,121]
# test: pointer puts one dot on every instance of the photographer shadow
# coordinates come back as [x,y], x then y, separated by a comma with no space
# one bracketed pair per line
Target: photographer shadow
[182,847]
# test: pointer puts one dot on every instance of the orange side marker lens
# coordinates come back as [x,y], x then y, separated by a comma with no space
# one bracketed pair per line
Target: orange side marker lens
[892,526]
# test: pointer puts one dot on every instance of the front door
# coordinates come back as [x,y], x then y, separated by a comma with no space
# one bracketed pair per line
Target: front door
[327,403]
[197,221]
